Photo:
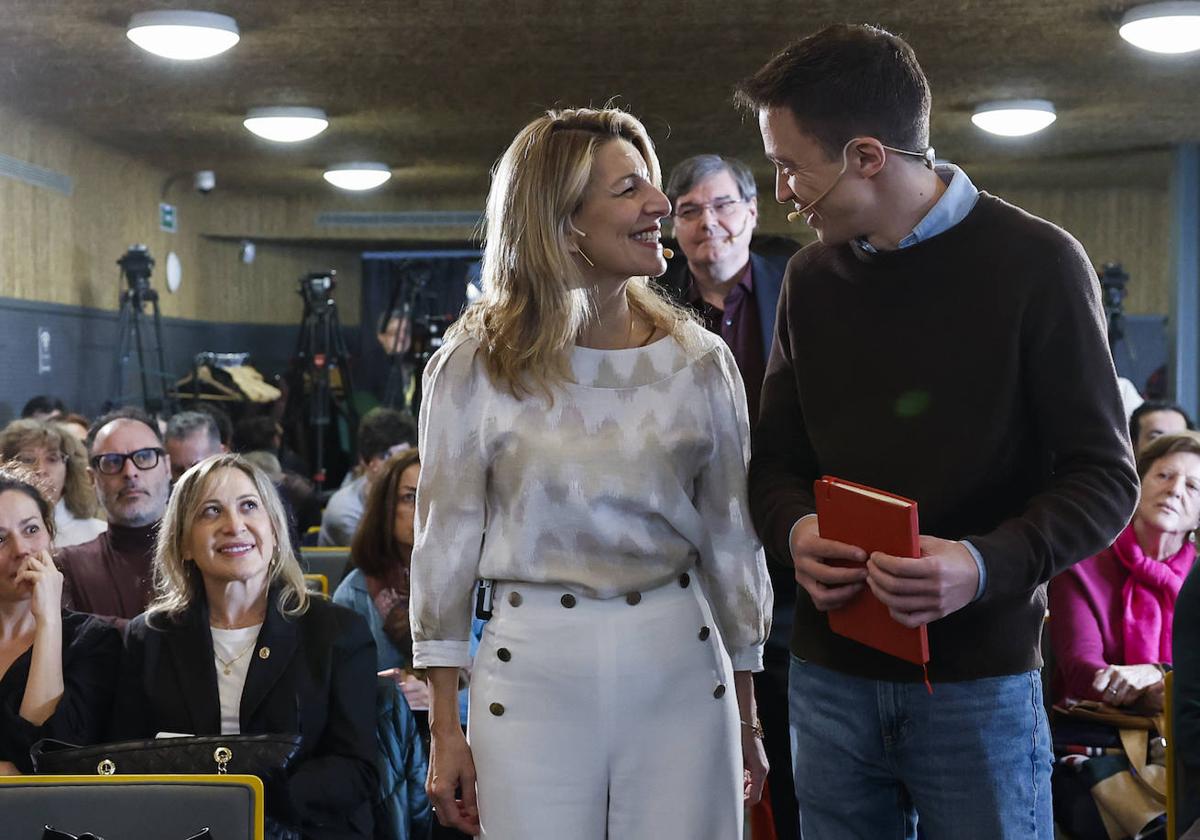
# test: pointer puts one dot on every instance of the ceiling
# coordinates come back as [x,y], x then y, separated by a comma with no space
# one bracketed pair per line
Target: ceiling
[437,88]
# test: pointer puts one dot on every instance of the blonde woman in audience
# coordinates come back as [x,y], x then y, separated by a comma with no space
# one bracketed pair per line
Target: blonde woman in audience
[57,668]
[232,643]
[584,445]
[60,462]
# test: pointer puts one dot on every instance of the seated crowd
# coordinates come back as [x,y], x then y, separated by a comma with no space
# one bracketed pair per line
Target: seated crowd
[187,612]
[151,582]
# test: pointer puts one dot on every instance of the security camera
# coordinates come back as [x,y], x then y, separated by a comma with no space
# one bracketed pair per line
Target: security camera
[206,179]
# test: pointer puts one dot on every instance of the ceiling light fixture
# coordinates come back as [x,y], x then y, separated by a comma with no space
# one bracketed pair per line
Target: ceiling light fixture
[1015,117]
[286,124]
[1170,28]
[358,175]
[184,36]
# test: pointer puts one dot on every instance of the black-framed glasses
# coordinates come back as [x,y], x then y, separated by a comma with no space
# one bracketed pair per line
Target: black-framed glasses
[113,463]
[722,207]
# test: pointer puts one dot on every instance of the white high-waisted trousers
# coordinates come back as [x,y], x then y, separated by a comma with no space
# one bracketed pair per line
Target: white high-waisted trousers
[594,719]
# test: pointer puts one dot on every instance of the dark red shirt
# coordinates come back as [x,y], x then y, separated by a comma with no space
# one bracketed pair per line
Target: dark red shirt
[738,323]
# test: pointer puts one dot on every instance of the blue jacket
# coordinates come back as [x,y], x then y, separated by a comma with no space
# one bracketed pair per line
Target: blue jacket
[352,592]
[402,809]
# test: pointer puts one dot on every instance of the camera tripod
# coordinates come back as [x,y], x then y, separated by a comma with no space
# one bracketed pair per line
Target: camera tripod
[136,265]
[320,354]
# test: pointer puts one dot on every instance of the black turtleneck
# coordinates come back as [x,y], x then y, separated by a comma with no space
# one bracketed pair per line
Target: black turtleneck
[111,575]
[970,372]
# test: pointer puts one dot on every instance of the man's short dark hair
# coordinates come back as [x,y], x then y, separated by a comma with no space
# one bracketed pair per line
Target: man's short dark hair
[1149,407]
[43,404]
[690,172]
[382,428]
[253,434]
[187,423]
[125,413]
[846,81]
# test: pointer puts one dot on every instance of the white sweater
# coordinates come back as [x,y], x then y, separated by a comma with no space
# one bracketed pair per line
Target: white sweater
[635,474]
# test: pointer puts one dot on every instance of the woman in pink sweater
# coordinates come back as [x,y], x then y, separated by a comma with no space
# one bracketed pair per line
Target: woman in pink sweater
[1111,614]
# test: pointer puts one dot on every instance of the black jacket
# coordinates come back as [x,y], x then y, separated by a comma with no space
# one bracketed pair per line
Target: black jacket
[91,649]
[313,675]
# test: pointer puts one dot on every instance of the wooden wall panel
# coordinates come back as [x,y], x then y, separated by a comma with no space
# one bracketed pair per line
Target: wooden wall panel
[1131,226]
[63,249]
[1115,224]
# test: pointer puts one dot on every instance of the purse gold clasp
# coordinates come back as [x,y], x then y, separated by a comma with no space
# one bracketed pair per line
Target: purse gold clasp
[222,756]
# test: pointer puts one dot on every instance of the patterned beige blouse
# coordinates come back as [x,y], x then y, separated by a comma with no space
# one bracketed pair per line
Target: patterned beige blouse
[635,474]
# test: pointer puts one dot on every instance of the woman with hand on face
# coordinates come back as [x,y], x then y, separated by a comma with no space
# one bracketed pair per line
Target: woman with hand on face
[59,460]
[234,644]
[584,447]
[1110,615]
[57,668]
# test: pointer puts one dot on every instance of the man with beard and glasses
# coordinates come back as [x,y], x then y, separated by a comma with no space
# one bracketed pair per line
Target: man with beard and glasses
[111,575]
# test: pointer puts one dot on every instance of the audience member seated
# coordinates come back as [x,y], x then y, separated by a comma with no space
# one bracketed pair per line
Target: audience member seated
[1110,615]
[111,575]
[76,424]
[1154,419]
[1186,640]
[377,588]
[60,463]
[381,432]
[191,437]
[221,418]
[234,644]
[263,433]
[57,668]
[43,407]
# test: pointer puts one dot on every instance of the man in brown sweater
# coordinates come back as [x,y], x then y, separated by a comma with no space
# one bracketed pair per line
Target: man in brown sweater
[941,344]
[111,575]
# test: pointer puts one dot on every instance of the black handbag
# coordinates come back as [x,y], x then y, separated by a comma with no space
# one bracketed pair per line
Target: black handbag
[257,755]
[52,833]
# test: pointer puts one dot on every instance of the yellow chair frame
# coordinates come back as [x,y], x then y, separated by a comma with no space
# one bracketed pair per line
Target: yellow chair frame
[252,782]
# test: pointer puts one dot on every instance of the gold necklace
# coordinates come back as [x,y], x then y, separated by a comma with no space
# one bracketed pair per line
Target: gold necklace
[228,665]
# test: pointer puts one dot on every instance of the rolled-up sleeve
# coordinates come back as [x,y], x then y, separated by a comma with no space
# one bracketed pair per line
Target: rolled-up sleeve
[451,506]
[732,566]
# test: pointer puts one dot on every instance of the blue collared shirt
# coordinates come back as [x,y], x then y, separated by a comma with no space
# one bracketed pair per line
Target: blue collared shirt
[955,203]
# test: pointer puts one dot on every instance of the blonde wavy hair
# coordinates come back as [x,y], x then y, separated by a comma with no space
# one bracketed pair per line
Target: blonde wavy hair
[535,298]
[78,493]
[175,584]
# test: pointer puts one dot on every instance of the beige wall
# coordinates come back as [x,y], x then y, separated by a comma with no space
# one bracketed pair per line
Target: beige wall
[63,249]
[1128,225]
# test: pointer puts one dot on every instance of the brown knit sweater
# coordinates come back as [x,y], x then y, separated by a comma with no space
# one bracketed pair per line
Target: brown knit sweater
[969,372]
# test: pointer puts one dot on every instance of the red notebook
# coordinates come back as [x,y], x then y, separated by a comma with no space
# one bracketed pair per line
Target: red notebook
[874,521]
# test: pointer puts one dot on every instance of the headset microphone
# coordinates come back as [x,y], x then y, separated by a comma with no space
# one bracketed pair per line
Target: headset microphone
[730,236]
[795,216]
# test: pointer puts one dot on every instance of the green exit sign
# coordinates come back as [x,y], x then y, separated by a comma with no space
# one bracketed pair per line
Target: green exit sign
[167,220]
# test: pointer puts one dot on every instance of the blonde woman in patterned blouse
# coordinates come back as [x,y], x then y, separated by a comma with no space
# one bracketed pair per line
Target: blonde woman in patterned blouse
[584,446]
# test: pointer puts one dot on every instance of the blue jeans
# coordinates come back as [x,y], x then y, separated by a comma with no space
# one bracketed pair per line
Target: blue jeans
[972,760]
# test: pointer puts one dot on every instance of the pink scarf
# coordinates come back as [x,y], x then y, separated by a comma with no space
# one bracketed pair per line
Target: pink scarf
[1149,595]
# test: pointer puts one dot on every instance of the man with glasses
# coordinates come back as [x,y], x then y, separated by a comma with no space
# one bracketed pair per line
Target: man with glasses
[715,211]
[111,575]
[714,204]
